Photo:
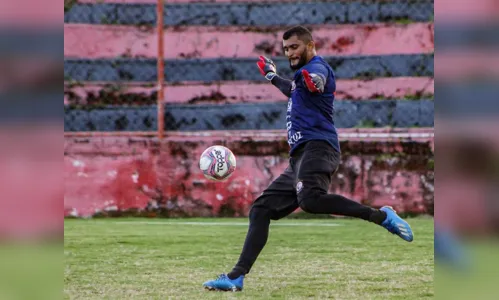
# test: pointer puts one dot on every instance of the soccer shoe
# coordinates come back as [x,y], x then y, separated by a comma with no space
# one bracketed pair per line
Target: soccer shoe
[224,283]
[396,224]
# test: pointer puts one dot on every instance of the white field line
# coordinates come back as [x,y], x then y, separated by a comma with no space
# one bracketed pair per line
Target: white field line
[229,224]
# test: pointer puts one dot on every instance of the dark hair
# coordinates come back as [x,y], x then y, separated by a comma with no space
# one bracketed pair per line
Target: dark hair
[301,32]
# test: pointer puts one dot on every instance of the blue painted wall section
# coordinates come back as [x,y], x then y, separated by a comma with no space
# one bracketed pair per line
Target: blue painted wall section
[473,98]
[246,14]
[369,113]
[242,69]
[48,43]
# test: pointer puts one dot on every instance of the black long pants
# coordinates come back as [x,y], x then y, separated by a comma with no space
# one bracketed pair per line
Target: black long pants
[303,184]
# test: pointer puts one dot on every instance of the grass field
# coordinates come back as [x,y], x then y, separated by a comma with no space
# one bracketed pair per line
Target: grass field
[303,259]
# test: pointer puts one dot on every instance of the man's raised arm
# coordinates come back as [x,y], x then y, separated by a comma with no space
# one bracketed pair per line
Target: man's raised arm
[269,70]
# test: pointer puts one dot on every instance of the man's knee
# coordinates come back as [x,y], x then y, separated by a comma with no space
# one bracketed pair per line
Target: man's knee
[259,213]
[309,200]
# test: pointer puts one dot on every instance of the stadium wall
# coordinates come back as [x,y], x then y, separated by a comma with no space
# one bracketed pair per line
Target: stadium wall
[142,176]
[382,53]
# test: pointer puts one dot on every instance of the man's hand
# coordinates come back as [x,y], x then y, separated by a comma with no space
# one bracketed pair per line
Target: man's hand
[314,82]
[267,68]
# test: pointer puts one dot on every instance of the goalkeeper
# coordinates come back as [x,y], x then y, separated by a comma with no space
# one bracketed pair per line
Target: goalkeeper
[314,158]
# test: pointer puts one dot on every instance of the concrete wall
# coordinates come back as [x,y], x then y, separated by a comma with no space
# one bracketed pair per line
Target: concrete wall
[163,177]
[382,54]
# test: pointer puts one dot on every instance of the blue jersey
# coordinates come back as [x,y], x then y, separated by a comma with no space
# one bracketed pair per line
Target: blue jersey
[310,115]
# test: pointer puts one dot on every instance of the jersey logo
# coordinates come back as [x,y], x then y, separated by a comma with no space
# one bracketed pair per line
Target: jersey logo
[299,187]
[293,85]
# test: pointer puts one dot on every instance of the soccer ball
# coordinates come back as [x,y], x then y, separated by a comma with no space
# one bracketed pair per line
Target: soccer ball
[217,163]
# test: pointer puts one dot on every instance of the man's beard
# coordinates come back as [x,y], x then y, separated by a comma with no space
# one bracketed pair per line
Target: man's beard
[301,63]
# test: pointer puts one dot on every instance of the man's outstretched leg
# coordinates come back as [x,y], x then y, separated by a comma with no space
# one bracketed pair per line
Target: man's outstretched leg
[316,166]
[317,202]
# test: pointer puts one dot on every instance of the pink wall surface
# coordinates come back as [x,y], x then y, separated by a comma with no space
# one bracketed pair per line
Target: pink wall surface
[31,180]
[249,92]
[466,10]
[31,14]
[465,64]
[110,41]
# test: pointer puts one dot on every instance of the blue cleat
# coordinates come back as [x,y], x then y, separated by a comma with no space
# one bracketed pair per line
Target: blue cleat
[224,283]
[396,224]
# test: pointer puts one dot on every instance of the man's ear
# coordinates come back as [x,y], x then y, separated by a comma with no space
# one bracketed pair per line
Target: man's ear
[311,45]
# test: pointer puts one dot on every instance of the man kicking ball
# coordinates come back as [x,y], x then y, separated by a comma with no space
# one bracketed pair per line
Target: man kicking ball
[314,158]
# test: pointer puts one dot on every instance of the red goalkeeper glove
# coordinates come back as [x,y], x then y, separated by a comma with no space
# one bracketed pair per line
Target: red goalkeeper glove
[314,82]
[267,68]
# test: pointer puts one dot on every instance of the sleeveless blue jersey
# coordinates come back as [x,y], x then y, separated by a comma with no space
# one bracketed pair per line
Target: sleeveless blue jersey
[310,115]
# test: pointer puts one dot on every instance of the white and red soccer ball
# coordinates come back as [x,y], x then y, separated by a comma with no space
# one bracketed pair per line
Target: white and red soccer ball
[217,163]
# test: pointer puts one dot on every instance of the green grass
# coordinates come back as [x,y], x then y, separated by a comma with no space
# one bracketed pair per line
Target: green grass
[148,259]
[478,280]
[30,264]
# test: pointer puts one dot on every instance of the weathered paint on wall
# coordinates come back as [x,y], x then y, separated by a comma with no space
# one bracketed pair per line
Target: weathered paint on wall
[119,174]
[111,41]
[242,92]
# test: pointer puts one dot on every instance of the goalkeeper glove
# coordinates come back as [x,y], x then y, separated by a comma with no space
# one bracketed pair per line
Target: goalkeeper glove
[314,82]
[267,68]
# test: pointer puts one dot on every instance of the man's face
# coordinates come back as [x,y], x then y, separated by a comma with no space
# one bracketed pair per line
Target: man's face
[296,51]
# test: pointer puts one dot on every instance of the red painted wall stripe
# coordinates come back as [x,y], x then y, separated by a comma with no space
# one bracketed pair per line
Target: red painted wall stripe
[466,10]
[249,92]
[32,14]
[99,41]
[458,64]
